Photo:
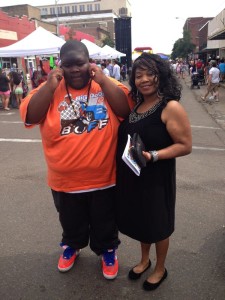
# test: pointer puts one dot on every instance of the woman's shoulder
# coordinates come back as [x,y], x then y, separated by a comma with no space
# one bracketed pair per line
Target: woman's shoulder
[172,105]
[173,109]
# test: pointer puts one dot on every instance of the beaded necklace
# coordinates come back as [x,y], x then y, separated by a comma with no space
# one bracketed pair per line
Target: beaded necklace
[135,117]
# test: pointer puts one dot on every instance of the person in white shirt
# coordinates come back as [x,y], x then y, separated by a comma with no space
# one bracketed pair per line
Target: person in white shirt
[213,82]
[109,66]
[104,69]
[116,70]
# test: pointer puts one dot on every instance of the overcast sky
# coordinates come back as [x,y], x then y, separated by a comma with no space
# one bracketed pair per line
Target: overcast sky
[157,24]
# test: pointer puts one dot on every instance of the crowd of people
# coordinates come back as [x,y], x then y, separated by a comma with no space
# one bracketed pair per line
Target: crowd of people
[13,87]
[112,68]
[210,73]
[12,90]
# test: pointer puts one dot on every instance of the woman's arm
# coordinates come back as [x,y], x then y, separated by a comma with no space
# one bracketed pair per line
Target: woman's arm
[179,129]
[115,96]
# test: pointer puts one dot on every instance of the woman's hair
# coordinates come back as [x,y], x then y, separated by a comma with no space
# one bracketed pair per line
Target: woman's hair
[168,86]
[16,77]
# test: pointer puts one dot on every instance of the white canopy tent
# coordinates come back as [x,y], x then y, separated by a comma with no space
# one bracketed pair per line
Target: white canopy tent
[105,52]
[93,49]
[39,42]
[43,42]
[109,52]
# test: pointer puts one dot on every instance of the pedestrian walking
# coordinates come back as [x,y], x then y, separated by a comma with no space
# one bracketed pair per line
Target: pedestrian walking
[116,70]
[104,69]
[16,89]
[222,70]
[78,110]
[123,72]
[213,83]
[4,90]
[145,204]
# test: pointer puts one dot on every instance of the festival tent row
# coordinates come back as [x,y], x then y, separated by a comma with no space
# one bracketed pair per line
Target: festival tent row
[39,42]
[111,52]
[43,42]
[105,52]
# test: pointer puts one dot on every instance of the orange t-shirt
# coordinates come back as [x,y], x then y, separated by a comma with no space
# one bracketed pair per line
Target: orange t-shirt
[79,140]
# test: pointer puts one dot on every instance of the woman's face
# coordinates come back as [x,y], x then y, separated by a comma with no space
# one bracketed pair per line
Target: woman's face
[75,65]
[146,82]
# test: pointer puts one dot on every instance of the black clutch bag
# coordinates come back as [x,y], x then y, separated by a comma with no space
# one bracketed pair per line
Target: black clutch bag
[137,146]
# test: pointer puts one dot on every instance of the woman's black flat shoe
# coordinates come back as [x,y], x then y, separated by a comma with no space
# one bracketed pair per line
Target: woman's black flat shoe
[148,286]
[132,275]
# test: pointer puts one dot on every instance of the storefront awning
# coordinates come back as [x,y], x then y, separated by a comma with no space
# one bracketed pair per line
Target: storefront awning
[208,49]
[218,36]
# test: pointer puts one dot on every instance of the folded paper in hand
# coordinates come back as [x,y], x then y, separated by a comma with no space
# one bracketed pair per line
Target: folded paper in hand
[129,159]
[137,148]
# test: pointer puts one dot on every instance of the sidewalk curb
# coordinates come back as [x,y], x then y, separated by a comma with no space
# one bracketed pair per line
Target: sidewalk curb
[215,110]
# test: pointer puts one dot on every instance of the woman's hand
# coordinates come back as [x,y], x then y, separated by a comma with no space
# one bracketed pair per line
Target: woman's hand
[147,156]
[114,94]
[97,74]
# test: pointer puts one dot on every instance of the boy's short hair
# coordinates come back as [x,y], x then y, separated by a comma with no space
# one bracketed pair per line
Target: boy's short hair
[74,45]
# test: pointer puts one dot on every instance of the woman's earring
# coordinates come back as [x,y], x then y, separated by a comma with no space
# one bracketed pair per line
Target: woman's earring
[138,95]
[159,94]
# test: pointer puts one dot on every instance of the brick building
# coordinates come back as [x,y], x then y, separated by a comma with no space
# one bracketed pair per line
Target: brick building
[13,29]
[16,22]
[92,20]
[31,12]
[93,17]
[198,29]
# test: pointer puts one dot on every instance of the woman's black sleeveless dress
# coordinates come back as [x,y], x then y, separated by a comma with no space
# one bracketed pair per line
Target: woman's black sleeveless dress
[145,204]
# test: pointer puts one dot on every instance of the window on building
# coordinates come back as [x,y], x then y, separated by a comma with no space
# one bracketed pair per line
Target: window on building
[89,7]
[52,10]
[97,7]
[67,9]
[59,8]
[6,63]
[74,8]
[123,11]
[82,8]
[44,11]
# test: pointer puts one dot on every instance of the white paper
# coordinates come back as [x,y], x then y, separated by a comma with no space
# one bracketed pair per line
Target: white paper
[128,158]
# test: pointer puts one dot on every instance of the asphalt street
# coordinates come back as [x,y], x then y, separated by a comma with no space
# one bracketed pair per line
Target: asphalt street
[30,230]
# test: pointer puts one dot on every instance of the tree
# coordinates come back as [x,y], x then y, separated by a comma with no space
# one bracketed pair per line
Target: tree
[107,41]
[182,47]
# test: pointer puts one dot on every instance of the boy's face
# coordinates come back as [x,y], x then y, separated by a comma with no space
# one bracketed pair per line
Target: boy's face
[75,65]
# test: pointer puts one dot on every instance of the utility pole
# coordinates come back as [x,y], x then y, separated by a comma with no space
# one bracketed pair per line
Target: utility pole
[57,17]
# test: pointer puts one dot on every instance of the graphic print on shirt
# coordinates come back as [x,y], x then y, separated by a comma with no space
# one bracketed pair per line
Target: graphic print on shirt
[82,116]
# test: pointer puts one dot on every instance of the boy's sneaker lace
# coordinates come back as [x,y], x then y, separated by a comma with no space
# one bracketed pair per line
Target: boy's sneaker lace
[110,264]
[67,259]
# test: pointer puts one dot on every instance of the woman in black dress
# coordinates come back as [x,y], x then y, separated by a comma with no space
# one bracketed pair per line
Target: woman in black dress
[146,203]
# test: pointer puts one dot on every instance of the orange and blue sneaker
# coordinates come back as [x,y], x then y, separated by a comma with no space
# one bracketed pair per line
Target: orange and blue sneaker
[67,259]
[110,264]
